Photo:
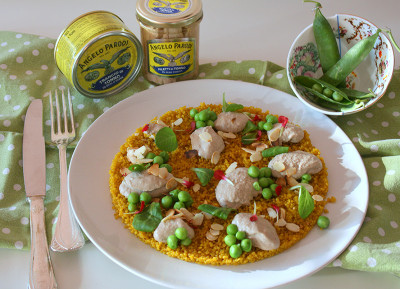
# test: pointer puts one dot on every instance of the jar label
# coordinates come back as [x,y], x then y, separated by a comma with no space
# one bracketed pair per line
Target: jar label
[168,7]
[171,58]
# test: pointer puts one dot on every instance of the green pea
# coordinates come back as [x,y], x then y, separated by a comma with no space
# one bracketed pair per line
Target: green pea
[271,119]
[273,189]
[131,207]
[174,195]
[200,124]
[261,125]
[167,202]
[137,168]
[323,222]
[240,235]
[327,92]
[256,186]
[213,116]
[268,126]
[188,203]
[230,240]
[133,198]
[193,112]
[253,171]
[267,193]
[203,115]
[235,251]
[172,242]
[197,117]
[306,177]
[145,197]
[158,160]
[265,182]
[186,242]
[317,87]
[246,245]
[184,196]
[266,172]
[232,229]
[209,123]
[165,156]
[150,155]
[181,233]
[179,205]
[337,96]
[167,166]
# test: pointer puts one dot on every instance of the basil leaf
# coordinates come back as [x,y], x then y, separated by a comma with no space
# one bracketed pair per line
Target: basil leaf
[249,138]
[250,126]
[204,175]
[230,107]
[166,139]
[218,212]
[148,219]
[306,203]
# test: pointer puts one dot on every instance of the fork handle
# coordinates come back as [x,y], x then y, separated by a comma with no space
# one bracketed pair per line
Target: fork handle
[67,235]
[41,274]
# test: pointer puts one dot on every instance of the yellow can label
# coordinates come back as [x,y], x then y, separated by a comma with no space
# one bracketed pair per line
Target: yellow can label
[168,7]
[171,58]
[106,64]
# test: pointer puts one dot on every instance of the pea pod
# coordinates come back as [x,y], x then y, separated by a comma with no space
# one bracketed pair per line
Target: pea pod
[356,94]
[274,151]
[325,39]
[356,54]
[345,108]
[309,84]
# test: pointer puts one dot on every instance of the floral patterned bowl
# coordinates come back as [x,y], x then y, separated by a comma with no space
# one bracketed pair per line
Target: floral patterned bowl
[374,73]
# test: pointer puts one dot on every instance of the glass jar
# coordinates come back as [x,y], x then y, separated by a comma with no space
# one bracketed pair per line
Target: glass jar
[169,31]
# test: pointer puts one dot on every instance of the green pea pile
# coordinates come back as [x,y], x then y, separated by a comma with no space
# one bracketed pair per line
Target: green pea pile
[269,122]
[160,159]
[135,198]
[179,237]
[203,118]
[265,182]
[236,241]
[177,199]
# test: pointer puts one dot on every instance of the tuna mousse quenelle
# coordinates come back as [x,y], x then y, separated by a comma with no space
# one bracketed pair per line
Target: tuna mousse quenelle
[170,38]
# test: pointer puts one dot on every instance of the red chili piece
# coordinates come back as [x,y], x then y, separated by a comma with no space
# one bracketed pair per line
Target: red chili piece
[283,120]
[145,128]
[253,218]
[278,190]
[192,127]
[276,208]
[142,205]
[219,175]
[188,184]
[259,133]
[256,118]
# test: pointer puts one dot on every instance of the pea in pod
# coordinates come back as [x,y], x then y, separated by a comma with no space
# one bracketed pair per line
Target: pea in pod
[318,88]
[356,94]
[325,39]
[356,54]
[345,108]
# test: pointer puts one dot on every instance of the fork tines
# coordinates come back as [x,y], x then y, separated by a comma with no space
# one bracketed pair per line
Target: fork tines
[69,128]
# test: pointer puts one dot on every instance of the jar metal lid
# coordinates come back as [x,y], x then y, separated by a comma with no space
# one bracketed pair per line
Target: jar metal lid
[168,13]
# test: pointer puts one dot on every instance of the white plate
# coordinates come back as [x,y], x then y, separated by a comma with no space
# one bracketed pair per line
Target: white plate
[91,201]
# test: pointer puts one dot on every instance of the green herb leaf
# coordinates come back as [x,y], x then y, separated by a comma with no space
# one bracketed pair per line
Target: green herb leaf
[204,175]
[306,203]
[249,138]
[250,126]
[218,212]
[148,219]
[166,139]
[231,106]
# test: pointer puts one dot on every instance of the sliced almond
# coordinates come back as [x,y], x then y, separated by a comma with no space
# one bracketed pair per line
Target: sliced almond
[272,213]
[280,223]
[308,187]
[163,173]
[210,236]
[231,168]
[196,188]
[214,232]
[198,219]
[249,151]
[207,215]
[159,121]
[230,135]
[221,133]
[292,227]
[291,181]
[144,161]
[178,122]
[216,226]
[171,184]
[278,166]
[205,136]
[260,146]
[154,170]
[291,171]
[188,215]
[215,157]
[168,215]
[318,198]
[256,157]
[124,171]
[283,213]
[274,134]
[281,181]
[180,215]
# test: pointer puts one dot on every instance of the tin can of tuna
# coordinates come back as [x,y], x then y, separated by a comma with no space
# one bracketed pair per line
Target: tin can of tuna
[98,54]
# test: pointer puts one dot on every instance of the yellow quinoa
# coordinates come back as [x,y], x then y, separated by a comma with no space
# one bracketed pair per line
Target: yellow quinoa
[216,252]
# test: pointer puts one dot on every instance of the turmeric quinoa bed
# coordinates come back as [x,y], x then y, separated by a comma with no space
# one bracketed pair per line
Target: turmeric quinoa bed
[219,184]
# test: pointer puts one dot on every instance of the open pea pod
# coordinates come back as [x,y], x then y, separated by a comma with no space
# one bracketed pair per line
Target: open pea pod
[356,94]
[359,103]
[308,82]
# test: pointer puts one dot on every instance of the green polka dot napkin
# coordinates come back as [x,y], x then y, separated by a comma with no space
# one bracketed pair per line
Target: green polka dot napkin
[28,71]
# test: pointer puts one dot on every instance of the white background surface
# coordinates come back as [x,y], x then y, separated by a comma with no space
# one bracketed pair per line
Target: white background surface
[230,30]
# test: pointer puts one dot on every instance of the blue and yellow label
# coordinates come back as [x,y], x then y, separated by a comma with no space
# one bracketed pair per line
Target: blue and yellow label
[171,58]
[167,7]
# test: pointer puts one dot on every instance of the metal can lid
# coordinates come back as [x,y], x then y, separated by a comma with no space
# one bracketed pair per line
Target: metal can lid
[168,13]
